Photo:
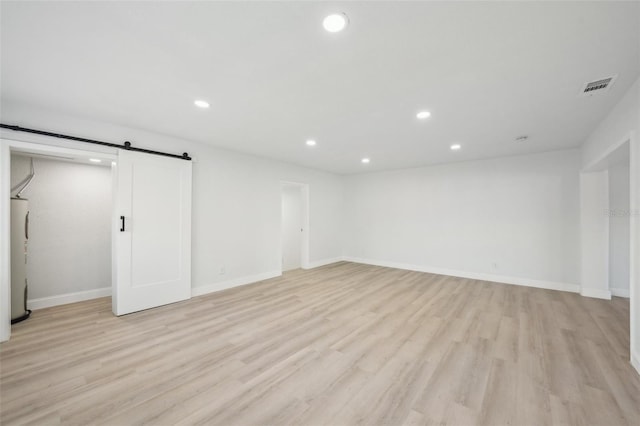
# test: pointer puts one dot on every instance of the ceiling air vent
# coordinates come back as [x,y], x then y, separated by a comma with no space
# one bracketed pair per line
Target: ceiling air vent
[598,86]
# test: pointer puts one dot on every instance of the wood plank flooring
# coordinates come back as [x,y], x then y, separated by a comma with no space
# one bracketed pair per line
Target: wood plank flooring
[344,344]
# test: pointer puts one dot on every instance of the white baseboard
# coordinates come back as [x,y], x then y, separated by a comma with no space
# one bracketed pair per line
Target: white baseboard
[596,293]
[635,361]
[620,292]
[323,262]
[236,282]
[527,282]
[63,299]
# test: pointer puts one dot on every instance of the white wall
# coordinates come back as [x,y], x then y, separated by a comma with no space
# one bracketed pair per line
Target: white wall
[291,227]
[236,198]
[594,228]
[622,123]
[69,224]
[619,229]
[508,218]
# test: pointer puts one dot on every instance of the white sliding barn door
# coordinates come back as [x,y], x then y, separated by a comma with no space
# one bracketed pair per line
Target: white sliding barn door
[152,245]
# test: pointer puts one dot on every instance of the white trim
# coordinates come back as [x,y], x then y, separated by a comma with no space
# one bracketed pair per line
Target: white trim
[592,166]
[607,233]
[527,282]
[322,262]
[635,361]
[236,282]
[634,249]
[5,264]
[596,293]
[63,299]
[49,144]
[35,148]
[620,292]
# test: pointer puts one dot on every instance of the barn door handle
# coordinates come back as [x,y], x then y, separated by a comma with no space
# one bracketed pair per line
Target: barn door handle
[121,223]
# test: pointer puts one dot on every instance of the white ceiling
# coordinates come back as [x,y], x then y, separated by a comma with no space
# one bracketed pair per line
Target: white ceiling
[488,72]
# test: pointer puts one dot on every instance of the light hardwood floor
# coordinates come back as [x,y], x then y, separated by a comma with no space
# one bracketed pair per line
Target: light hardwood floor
[342,344]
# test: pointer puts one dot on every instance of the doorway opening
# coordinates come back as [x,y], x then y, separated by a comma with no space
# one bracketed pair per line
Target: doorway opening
[609,224]
[619,216]
[606,197]
[294,226]
[38,240]
[60,232]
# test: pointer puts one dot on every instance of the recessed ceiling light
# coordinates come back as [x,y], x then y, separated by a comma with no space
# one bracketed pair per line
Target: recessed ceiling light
[455,147]
[311,142]
[423,114]
[366,160]
[335,22]
[201,104]
[95,160]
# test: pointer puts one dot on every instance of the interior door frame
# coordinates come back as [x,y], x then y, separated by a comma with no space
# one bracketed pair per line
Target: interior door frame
[304,255]
[43,146]
[634,243]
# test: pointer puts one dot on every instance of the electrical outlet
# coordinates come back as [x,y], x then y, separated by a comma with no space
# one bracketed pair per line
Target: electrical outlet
[222,270]
[495,265]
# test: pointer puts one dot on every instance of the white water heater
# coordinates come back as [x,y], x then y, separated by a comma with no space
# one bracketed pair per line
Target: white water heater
[19,239]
